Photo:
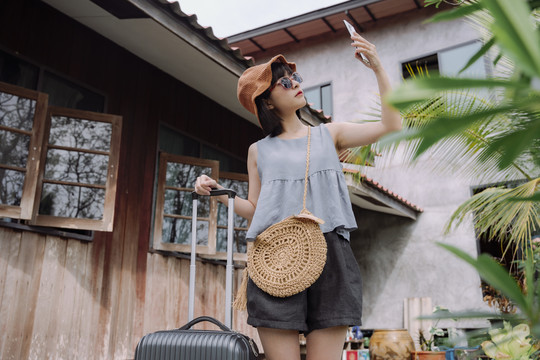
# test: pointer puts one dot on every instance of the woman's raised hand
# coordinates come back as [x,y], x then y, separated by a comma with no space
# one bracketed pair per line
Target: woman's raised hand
[204,184]
[368,49]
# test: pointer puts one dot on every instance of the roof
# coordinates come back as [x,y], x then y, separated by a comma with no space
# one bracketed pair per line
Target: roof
[371,195]
[360,13]
[159,32]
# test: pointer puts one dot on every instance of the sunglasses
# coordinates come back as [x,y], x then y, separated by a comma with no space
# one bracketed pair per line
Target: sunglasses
[286,81]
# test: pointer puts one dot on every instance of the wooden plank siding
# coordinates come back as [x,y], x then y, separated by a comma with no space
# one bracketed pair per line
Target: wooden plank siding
[52,299]
[63,298]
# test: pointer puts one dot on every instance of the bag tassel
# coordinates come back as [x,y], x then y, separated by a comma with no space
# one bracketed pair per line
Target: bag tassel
[240,302]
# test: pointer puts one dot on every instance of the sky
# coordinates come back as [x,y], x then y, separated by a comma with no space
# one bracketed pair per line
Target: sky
[231,17]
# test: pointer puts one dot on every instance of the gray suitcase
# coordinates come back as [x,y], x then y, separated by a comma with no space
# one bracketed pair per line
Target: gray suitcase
[189,344]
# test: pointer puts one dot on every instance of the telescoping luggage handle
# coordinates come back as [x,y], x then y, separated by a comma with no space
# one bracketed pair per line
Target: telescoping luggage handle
[229,268]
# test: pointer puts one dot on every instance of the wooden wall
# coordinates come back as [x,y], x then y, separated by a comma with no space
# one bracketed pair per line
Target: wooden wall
[55,302]
[63,298]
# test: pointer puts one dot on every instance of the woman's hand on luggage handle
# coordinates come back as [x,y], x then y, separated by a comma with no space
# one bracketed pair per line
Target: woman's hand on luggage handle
[204,184]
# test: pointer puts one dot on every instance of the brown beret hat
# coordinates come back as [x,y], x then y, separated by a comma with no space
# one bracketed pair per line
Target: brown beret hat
[255,80]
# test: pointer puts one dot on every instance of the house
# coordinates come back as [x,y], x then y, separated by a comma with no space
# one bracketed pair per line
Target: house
[398,257]
[140,94]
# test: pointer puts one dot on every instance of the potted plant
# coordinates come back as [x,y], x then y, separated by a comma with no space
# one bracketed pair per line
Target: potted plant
[429,348]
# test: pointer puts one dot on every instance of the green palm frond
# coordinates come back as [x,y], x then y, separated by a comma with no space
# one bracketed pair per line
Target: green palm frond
[466,153]
[510,222]
[362,155]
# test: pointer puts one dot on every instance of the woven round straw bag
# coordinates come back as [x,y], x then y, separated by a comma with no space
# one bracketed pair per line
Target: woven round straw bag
[289,256]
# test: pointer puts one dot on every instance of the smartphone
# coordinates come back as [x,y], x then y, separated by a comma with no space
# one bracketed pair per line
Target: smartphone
[352,30]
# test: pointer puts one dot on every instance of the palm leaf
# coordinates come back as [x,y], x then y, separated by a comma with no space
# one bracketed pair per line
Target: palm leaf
[362,155]
[515,32]
[456,13]
[422,89]
[465,152]
[511,222]
[483,50]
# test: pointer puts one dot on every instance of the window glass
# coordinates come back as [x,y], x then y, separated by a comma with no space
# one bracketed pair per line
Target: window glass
[423,66]
[453,60]
[14,148]
[16,112]
[240,223]
[172,142]
[178,205]
[226,162]
[76,168]
[80,133]
[16,119]
[320,98]
[313,97]
[65,93]
[11,185]
[72,201]
[326,98]
[18,72]
[178,231]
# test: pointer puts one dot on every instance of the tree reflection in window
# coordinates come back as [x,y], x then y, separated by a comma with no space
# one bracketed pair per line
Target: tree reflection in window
[16,121]
[178,205]
[76,168]
[239,184]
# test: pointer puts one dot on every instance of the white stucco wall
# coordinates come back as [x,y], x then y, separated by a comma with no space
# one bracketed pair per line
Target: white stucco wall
[398,257]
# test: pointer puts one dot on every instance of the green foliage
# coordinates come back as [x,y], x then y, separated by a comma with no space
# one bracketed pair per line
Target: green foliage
[510,222]
[513,29]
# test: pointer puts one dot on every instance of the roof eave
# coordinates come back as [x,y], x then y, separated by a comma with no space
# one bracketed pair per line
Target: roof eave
[170,16]
[300,19]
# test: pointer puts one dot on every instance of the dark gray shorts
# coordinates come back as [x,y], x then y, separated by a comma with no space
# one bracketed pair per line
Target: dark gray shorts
[335,299]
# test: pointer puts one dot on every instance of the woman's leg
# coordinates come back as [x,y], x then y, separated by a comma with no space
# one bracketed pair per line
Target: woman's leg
[280,344]
[326,344]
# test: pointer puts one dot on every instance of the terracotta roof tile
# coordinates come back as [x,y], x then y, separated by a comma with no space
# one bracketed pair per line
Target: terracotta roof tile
[376,185]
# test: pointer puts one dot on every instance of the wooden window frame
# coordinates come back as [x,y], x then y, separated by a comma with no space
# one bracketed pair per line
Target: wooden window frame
[25,210]
[221,255]
[35,166]
[157,244]
[107,221]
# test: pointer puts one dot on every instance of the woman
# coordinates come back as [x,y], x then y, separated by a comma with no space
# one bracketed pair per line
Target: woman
[276,166]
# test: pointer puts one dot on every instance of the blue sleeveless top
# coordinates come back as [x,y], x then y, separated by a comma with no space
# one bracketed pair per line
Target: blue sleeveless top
[282,166]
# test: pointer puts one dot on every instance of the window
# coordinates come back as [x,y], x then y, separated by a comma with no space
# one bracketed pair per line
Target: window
[22,120]
[492,246]
[448,62]
[61,91]
[320,97]
[226,162]
[181,160]
[58,166]
[503,252]
[18,72]
[174,205]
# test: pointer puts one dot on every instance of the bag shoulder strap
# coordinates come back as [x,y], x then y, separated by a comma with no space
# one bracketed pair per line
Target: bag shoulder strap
[307,169]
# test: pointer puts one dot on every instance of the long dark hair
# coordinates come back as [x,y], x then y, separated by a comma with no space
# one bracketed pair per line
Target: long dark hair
[270,121]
